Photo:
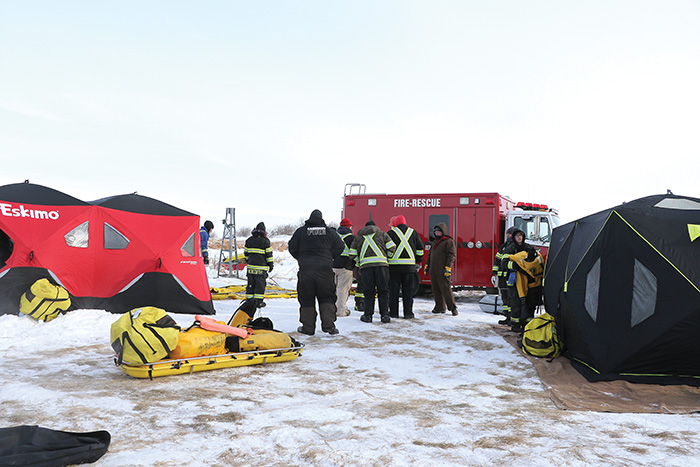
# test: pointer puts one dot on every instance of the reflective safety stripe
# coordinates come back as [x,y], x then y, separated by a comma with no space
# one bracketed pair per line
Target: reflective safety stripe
[403,246]
[255,267]
[346,250]
[370,244]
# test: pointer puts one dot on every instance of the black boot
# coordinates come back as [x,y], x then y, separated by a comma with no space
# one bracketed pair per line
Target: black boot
[366,318]
[505,321]
[386,319]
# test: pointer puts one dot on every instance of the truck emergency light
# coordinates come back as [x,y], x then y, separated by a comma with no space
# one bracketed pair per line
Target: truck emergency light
[532,206]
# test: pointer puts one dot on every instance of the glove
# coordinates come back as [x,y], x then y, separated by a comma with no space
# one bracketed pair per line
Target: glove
[511,279]
[270,266]
[206,260]
[417,267]
[426,270]
[448,272]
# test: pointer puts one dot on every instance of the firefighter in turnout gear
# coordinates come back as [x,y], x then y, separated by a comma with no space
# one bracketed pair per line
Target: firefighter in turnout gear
[516,260]
[371,250]
[403,265]
[259,262]
[343,268]
[315,246]
[501,275]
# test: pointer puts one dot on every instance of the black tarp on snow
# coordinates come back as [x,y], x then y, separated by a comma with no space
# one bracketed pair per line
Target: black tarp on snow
[38,446]
[624,285]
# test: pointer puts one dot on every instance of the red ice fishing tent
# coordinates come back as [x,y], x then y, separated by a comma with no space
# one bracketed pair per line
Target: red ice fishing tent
[114,254]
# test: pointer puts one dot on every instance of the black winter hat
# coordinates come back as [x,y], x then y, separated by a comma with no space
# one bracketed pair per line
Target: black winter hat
[316,214]
[261,227]
[370,222]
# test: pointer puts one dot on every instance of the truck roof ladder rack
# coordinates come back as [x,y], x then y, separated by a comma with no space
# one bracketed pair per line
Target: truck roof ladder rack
[355,189]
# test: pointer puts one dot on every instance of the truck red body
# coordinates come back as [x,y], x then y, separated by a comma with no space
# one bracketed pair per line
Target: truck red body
[476,221]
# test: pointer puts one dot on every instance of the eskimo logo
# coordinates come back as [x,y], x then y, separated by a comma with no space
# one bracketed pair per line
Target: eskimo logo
[8,210]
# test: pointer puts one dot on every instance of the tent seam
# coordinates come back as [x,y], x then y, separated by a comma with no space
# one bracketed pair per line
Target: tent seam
[589,246]
[657,251]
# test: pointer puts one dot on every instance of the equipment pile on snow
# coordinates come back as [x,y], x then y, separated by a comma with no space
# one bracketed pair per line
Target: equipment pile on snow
[148,343]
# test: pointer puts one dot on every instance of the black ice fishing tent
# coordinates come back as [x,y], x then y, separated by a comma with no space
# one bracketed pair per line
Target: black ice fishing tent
[624,285]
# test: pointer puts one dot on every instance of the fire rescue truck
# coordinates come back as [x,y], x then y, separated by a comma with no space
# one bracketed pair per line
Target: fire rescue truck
[476,221]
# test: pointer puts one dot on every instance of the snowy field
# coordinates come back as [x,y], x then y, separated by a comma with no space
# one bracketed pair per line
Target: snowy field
[437,390]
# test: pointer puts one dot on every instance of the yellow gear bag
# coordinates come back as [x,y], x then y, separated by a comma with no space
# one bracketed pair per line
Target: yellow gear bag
[540,337]
[198,342]
[44,300]
[260,339]
[144,335]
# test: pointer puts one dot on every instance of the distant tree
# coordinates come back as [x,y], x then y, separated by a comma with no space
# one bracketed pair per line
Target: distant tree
[285,229]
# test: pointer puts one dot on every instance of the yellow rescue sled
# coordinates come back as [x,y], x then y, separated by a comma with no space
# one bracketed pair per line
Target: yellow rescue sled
[212,362]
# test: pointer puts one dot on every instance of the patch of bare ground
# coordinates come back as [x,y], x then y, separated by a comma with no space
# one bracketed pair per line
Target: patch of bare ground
[435,444]
[421,410]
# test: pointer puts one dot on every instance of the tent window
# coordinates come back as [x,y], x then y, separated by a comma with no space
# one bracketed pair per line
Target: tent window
[79,236]
[114,240]
[678,203]
[6,247]
[643,294]
[188,248]
[592,290]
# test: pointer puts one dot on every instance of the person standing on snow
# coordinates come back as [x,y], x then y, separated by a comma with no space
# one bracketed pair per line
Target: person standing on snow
[402,266]
[439,267]
[258,258]
[204,233]
[342,268]
[315,246]
[518,307]
[370,250]
[501,275]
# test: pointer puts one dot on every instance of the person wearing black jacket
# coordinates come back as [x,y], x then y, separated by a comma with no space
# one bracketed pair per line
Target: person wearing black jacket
[343,268]
[403,266]
[518,310]
[258,258]
[500,274]
[314,246]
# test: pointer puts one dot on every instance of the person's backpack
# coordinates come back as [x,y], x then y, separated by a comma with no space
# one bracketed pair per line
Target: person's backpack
[144,335]
[44,300]
[540,337]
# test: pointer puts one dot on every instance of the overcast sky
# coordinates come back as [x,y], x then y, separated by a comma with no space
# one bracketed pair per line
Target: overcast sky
[272,106]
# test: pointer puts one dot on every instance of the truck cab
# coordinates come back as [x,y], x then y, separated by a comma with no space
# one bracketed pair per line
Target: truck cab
[537,221]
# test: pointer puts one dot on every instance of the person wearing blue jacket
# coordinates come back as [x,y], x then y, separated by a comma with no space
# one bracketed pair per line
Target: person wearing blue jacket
[204,232]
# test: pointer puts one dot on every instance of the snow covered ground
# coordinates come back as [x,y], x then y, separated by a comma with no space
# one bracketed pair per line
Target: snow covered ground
[437,390]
